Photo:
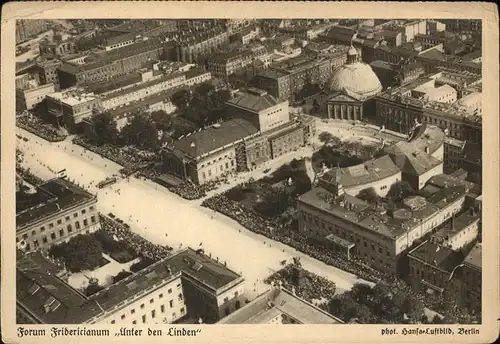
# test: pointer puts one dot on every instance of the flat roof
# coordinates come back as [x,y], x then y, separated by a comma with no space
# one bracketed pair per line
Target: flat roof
[142,85]
[475,256]
[376,220]
[73,96]
[275,302]
[441,257]
[53,196]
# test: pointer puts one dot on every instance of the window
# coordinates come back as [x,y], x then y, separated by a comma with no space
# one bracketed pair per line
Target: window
[180,297]
[112,321]
[144,319]
[44,239]
[182,310]
[67,218]
[33,233]
[132,311]
[83,211]
[36,244]
[153,313]
[77,225]
[179,286]
[151,300]
[85,222]
[174,315]
[170,291]
[69,228]
[61,232]
[226,299]
[92,219]
[236,294]
[59,221]
[171,302]
[123,316]
[75,215]
[51,225]
[142,306]
[25,236]
[162,308]
[92,207]
[134,322]
[160,296]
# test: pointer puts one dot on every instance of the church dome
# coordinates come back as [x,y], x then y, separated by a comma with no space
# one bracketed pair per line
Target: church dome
[355,77]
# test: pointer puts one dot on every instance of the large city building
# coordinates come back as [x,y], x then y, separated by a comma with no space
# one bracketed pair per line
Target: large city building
[352,86]
[31,94]
[471,277]
[70,107]
[222,65]
[108,64]
[53,212]
[186,283]
[196,44]
[280,306]
[285,80]
[398,109]
[260,129]
[27,28]
[332,214]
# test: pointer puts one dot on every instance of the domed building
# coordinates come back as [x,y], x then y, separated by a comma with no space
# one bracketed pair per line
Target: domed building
[352,87]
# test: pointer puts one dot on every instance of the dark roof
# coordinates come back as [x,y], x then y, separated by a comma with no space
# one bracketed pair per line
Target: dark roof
[53,196]
[226,56]
[433,54]
[142,85]
[36,289]
[472,153]
[202,269]
[456,225]
[445,181]
[194,72]
[215,137]
[253,102]
[114,83]
[441,257]
[382,64]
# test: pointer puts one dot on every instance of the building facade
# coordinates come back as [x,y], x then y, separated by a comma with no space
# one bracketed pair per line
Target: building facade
[225,64]
[27,99]
[72,211]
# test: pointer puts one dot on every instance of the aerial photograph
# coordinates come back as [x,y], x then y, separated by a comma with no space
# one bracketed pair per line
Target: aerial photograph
[248,171]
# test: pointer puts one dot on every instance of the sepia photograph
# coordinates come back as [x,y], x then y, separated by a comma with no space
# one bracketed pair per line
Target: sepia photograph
[197,171]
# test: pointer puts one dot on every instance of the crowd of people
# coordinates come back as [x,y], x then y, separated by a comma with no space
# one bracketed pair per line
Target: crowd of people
[28,176]
[36,126]
[140,245]
[279,232]
[125,158]
[313,288]
[191,191]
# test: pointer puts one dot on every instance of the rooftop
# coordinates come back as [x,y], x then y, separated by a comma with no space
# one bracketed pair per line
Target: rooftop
[215,137]
[254,101]
[37,286]
[441,257]
[276,302]
[53,196]
[475,256]
[455,226]
[114,83]
[378,221]
[72,96]
[228,56]
[410,159]
[364,173]
[203,269]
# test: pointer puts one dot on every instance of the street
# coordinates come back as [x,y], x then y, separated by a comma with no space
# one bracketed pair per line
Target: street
[164,218]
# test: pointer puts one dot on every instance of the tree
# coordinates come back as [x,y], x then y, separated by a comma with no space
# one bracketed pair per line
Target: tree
[121,275]
[82,252]
[273,204]
[104,128]
[325,137]
[400,190]
[140,131]
[369,195]
[181,99]
[302,183]
[161,120]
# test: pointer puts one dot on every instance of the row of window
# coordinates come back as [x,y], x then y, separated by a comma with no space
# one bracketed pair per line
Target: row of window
[153,315]
[340,232]
[67,218]
[221,167]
